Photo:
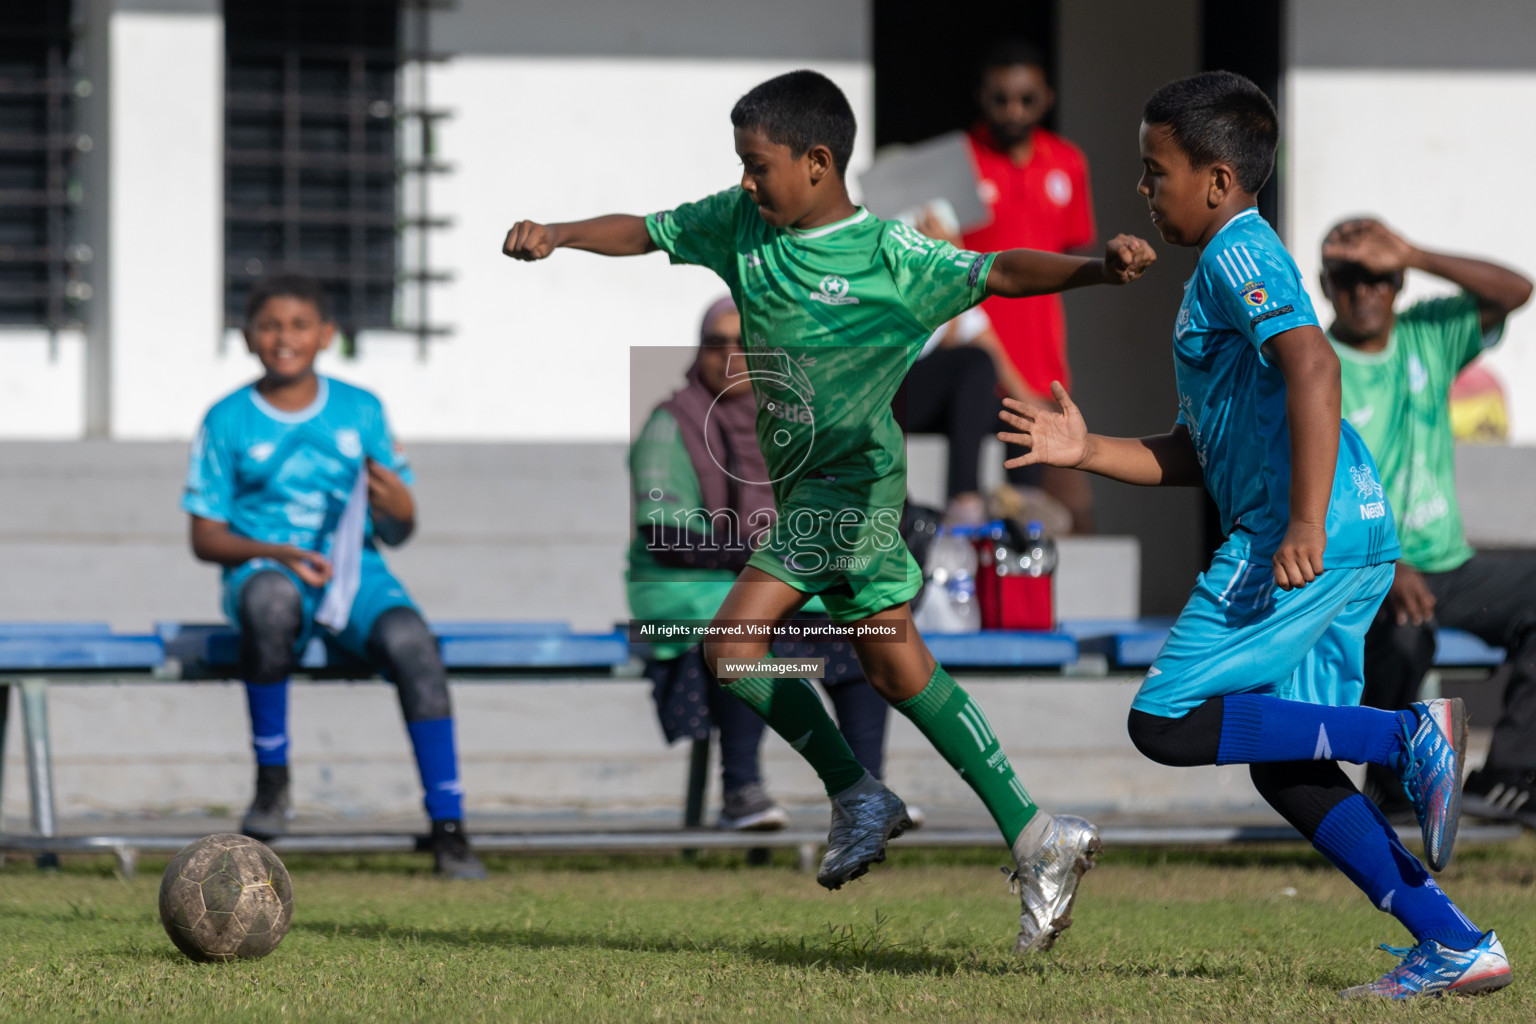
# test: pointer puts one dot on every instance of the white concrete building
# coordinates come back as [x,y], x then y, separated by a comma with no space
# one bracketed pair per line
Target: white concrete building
[1411,110]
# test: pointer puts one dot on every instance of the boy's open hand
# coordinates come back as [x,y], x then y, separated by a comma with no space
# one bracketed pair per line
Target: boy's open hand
[1369,243]
[1126,258]
[529,241]
[1299,559]
[310,566]
[1053,438]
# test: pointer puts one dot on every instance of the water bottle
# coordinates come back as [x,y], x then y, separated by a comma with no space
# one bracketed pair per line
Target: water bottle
[949,604]
[1026,582]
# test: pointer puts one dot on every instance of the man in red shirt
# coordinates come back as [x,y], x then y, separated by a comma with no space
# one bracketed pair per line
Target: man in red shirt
[1035,183]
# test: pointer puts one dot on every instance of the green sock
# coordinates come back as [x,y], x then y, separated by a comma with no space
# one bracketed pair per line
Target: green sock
[793,709]
[959,731]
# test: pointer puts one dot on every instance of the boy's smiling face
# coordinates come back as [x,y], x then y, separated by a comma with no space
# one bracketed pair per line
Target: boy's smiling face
[782,185]
[1181,197]
[286,334]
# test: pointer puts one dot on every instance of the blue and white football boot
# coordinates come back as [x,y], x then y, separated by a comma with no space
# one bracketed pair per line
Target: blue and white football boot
[1430,969]
[1430,767]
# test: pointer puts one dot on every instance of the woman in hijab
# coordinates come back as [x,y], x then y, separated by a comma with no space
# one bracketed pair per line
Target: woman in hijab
[701,493]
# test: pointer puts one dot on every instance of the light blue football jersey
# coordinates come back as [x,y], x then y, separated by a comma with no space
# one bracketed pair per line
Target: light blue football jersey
[1245,290]
[284,477]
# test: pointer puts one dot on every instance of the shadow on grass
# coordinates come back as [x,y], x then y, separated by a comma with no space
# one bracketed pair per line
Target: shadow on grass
[840,948]
[844,949]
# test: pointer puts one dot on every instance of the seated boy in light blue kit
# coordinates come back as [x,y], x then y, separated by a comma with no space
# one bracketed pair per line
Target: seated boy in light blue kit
[292,479]
[1265,664]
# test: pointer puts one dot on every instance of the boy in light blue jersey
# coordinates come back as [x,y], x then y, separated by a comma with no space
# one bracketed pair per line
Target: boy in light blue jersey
[292,482]
[1264,666]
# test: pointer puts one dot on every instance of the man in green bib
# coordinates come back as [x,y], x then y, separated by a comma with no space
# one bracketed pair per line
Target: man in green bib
[835,306]
[1397,370]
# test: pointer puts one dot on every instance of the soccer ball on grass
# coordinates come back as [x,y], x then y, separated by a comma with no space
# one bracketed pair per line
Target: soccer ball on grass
[226,897]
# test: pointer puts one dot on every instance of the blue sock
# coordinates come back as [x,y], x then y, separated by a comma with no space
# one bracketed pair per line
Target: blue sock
[438,762]
[1360,843]
[1256,729]
[268,703]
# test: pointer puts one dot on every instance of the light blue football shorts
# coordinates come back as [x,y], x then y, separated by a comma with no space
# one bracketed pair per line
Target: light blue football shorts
[378,591]
[1240,633]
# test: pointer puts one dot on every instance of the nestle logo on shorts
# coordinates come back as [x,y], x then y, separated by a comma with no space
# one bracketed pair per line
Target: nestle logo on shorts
[778,668]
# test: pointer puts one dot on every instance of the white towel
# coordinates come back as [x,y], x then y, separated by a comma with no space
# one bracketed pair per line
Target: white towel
[346,558]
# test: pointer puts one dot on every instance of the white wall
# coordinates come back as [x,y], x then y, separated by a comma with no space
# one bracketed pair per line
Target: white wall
[541,351]
[42,384]
[1443,156]
[166,247]
[538,352]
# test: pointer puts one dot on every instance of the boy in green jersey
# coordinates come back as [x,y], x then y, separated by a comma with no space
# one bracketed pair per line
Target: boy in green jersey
[1396,370]
[835,306]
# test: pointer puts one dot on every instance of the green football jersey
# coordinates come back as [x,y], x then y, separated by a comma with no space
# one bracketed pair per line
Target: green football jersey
[832,318]
[1397,399]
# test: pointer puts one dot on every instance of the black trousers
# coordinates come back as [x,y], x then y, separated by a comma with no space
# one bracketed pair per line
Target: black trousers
[1492,596]
[953,391]
[689,702]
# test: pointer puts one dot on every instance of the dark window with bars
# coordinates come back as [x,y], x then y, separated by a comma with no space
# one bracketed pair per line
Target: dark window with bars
[41,283]
[314,177]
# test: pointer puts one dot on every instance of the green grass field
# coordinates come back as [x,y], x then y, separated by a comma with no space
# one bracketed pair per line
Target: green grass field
[1226,936]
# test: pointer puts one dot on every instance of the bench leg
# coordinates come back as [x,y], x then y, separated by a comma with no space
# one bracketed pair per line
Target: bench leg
[127,858]
[5,715]
[34,716]
[698,784]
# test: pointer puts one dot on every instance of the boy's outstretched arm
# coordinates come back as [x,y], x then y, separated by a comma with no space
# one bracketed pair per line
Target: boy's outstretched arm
[1062,439]
[1312,396]
[1498,290]
[213,541]
[616,234]
[1018,273]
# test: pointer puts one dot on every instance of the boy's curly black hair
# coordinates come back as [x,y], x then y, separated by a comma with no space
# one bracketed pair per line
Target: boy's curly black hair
[800,109]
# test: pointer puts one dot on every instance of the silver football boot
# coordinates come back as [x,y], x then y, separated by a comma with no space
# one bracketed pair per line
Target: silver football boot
[1046,877]
[864,817]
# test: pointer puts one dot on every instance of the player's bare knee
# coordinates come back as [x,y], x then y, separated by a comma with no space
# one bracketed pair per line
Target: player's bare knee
[885,680]
[407,653]
[716,651]
[271,616]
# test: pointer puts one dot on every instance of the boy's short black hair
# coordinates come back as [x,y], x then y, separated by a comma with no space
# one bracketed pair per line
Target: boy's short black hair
[1219,117]
[800,109]
[294,286]
[1008,53]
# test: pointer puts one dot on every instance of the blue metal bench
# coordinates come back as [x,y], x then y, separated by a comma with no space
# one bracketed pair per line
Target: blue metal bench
[196,651]
[33,654]
[1004,649]
[1134,643]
